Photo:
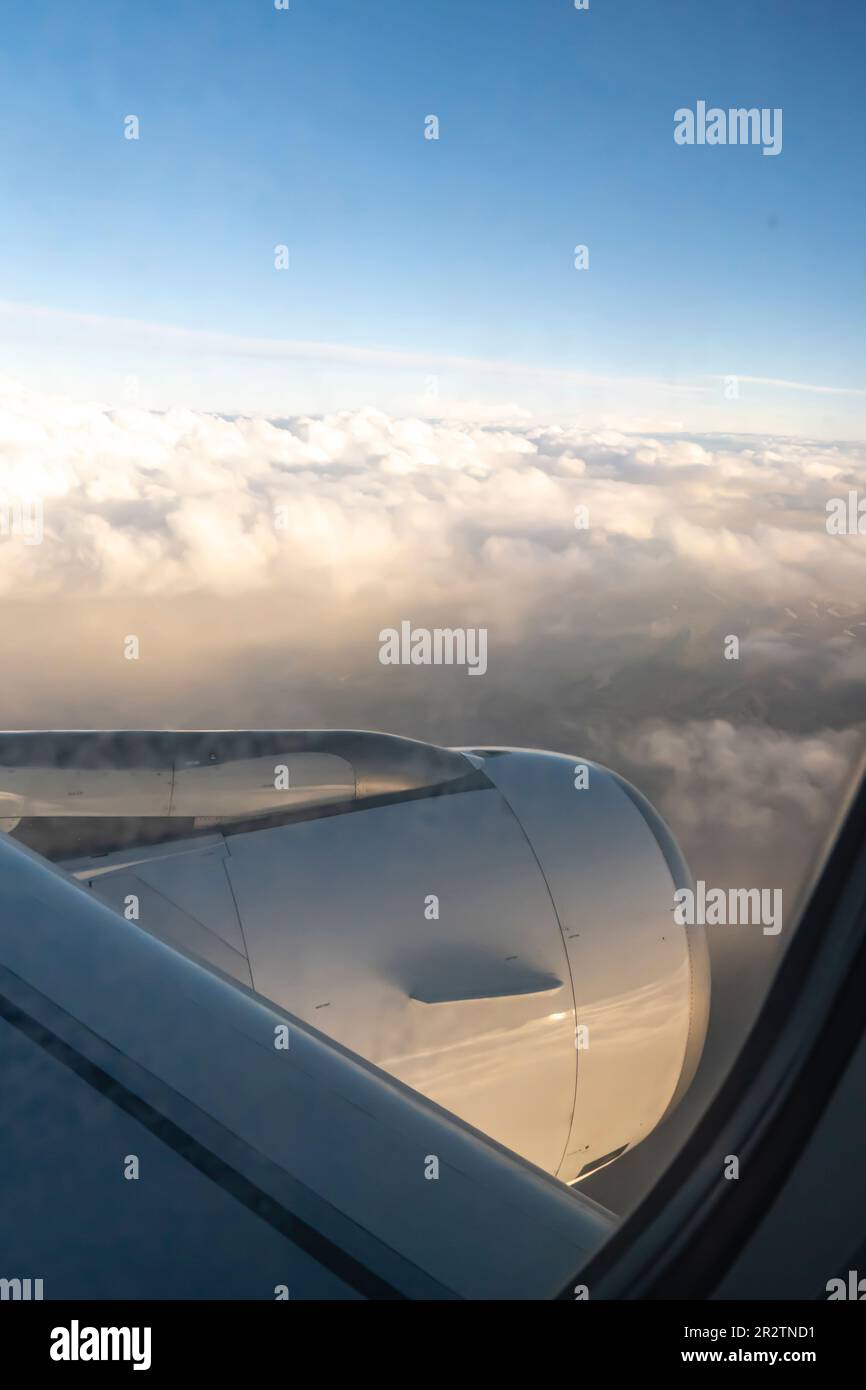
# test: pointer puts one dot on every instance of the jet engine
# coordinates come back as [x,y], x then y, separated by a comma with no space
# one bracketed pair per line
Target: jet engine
[494,926]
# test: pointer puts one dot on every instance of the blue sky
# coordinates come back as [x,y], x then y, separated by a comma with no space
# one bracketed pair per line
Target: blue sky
[306,128]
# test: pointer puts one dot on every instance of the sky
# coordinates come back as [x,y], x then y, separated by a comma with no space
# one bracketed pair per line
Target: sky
[437,277]
[431,389]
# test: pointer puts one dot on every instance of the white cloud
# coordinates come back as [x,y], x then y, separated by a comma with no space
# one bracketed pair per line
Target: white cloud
[724,779]
[185,502]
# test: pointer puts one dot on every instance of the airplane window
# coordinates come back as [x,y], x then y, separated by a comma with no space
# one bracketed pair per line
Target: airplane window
[433,571]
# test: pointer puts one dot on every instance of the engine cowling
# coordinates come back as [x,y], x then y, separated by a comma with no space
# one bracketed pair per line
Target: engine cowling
[641,982]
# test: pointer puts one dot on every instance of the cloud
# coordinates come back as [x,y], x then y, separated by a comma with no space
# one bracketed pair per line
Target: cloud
[183,502]
[720,778]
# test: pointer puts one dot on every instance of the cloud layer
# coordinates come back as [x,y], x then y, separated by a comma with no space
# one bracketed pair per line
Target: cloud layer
[141,502]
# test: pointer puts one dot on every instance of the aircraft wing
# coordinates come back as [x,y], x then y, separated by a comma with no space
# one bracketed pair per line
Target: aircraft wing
[493,927]
[167,1134]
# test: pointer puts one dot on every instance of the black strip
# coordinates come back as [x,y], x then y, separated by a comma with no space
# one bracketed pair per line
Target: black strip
[332,1257]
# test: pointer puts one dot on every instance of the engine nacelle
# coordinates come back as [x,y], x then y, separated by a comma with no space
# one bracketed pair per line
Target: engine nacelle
[641,983]
[492,926]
